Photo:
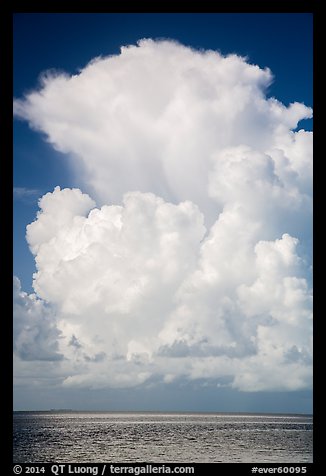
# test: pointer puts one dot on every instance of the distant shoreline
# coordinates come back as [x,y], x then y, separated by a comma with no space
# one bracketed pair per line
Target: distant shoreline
[162,412]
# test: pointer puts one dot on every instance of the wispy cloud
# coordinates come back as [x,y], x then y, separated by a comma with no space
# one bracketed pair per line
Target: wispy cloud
[26,195]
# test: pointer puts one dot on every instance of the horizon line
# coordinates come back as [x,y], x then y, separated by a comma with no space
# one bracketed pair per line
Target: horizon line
[69,410]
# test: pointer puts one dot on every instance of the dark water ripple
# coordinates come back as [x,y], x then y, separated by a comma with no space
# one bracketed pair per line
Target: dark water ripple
[155,437]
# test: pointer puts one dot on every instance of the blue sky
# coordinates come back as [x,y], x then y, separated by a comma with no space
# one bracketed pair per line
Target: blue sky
[67,43]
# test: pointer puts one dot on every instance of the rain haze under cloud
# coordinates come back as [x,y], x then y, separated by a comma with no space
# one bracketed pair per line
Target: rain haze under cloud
[185,253]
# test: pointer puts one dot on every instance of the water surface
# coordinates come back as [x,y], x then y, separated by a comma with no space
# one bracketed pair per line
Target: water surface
[75,437]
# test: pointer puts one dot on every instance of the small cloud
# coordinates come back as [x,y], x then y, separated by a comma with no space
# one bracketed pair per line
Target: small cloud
[26,195]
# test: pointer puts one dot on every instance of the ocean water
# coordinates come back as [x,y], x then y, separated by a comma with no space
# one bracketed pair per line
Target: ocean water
[81,437]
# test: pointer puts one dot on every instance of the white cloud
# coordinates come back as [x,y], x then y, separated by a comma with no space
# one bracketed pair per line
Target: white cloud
[57,210]
[116,267]
[153,118]
[190,267]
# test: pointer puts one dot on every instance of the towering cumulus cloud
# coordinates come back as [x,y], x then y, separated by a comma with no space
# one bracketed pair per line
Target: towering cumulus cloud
[195,260]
